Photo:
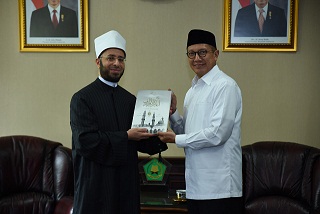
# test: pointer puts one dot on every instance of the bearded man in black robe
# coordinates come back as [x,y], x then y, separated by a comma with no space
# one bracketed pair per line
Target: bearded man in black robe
[104,146]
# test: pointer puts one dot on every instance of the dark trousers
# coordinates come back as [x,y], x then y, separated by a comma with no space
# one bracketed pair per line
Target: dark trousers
[215,206]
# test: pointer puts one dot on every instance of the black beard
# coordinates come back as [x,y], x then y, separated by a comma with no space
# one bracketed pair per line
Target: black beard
[105,74]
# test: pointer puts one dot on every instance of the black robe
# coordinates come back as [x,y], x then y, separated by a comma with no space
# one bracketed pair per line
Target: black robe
[105,162]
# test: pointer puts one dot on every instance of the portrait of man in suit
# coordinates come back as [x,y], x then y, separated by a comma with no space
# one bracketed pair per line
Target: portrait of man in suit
[54,20]
[260,19]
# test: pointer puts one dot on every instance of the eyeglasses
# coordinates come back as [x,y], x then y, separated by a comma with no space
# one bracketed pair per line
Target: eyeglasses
[112,59]
[201,53]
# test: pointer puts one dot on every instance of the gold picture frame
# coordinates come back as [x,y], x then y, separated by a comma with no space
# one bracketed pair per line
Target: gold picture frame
[239,35]
[35,36]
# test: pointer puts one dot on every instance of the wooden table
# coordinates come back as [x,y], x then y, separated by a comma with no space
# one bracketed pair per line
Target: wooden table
[161,203]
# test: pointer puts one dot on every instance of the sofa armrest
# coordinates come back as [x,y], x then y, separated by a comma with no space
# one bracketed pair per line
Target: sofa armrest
[64,205]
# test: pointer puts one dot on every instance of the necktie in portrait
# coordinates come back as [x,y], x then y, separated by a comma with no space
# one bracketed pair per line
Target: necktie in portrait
[261,20]
[55,19]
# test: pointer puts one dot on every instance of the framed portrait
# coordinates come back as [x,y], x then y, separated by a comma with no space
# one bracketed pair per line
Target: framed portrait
[53,25]
[260,25]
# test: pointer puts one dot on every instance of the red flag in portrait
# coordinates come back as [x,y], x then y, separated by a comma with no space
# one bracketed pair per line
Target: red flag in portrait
[244,3]
[37,3]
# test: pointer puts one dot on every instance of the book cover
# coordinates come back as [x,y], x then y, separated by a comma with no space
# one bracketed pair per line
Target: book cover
[152,110]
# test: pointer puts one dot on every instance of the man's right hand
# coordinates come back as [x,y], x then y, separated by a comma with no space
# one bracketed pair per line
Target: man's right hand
[168,137]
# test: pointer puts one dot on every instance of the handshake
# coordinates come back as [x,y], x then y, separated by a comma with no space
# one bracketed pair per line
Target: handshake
[138,134]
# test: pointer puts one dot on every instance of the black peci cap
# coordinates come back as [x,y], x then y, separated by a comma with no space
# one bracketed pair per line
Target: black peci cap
[197,36]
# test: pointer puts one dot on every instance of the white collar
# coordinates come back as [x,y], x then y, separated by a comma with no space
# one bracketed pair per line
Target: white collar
[112,84]
[57,9]
[265,8]
[207,78]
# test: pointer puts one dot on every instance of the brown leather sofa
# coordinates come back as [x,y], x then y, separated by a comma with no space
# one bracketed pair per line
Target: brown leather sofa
[278,178]
[281,178]
[36,176]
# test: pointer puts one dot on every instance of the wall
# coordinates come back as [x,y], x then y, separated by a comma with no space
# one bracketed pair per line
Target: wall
[281,98]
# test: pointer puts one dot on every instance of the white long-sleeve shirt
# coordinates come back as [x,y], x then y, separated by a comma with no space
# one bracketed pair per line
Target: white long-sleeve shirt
[210,134]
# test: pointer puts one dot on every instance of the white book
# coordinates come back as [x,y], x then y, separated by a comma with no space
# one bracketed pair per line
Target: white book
[152,110]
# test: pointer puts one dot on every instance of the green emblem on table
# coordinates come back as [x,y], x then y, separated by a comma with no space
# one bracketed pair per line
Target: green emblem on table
[154,170]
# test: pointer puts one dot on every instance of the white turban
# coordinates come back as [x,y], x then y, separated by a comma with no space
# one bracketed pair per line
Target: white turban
[111,39]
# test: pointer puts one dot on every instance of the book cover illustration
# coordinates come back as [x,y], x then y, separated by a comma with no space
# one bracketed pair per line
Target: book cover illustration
[152,110]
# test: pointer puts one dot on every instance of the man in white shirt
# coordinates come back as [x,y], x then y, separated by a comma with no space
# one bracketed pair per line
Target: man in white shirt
[209,131]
